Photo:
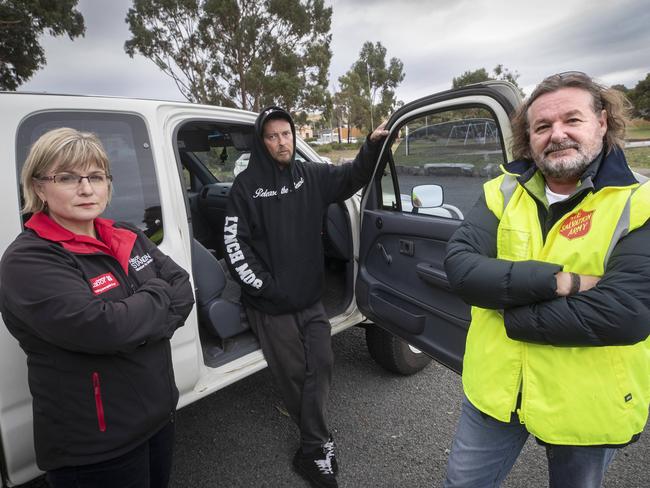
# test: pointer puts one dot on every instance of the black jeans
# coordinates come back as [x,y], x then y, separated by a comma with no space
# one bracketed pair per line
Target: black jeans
[298,349]
[146,466]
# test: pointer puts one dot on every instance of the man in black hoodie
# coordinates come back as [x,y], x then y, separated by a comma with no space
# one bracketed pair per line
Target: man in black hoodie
[273,242]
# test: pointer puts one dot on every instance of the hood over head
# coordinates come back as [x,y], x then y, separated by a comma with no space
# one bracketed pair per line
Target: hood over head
[261,163]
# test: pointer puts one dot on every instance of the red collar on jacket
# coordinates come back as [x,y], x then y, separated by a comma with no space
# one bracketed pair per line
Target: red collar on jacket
[114,241]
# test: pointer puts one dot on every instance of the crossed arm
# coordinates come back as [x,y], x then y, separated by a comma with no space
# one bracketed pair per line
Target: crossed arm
[535,296]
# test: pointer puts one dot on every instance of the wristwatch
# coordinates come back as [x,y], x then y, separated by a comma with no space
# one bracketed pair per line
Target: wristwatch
[575,283]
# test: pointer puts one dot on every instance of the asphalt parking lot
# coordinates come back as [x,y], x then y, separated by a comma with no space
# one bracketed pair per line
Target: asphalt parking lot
[392,432]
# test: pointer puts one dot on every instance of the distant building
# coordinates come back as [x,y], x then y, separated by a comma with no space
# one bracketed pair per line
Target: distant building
[306,132]
[326,136]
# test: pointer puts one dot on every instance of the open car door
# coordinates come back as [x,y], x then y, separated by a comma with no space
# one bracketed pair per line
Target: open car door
[440,151]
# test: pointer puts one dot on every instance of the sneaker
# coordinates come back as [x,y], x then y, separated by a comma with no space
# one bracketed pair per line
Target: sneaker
[316,468]
[329,448]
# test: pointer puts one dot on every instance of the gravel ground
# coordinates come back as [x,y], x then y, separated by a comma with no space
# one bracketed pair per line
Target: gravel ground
[392,431]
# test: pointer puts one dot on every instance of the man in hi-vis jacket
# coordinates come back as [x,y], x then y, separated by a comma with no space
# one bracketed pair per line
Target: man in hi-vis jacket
[555,260]
[273,243]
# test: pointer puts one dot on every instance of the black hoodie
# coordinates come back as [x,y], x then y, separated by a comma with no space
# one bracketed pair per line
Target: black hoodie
[273,223]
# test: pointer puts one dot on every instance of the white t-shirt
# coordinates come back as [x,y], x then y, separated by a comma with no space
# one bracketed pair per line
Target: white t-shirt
[553,197]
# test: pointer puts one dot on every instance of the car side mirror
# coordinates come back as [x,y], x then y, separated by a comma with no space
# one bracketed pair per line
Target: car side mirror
[426,196]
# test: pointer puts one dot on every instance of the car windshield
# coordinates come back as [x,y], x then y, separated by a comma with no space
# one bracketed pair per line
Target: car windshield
[223,162]
[223,149]
[220,148]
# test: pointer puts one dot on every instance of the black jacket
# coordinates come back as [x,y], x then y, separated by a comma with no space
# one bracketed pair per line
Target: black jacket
[274,222]
[97,339]
[615,312]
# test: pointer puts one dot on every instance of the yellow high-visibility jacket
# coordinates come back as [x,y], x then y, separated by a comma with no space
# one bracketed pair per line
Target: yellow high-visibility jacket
[552,359]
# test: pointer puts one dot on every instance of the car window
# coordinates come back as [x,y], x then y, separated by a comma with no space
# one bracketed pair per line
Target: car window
[441,160]
[136,197]
[224,163]
[220,149]
[388,190]
[224,169]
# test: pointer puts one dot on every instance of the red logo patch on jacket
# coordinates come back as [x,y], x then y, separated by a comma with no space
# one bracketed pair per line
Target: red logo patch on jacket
[577,224]
[103,283]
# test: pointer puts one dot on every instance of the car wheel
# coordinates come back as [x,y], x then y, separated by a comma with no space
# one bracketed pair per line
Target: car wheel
[392,353]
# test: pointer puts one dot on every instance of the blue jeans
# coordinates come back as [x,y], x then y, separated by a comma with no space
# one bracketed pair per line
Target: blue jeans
[485,449]
[146,466]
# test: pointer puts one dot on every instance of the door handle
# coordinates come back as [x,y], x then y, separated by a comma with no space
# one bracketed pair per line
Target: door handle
[387,257]
[434,276]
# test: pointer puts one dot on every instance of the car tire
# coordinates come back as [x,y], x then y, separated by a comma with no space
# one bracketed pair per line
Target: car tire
[392,353]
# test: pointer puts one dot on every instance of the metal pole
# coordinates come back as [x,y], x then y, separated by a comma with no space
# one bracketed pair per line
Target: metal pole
[407,150]
[372,123]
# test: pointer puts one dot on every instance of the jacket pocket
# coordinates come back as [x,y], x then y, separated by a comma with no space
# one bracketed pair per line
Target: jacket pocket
[513,244]
[99,404]
[621,372]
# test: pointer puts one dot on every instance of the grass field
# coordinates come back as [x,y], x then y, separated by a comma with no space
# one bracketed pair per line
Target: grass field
[638,157]
[639,129]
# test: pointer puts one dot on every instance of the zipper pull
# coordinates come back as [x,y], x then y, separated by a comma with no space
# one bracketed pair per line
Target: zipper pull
[519,416]
[99,404]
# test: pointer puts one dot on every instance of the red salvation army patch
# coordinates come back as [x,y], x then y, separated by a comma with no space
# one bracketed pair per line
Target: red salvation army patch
[103,283]
[577,224]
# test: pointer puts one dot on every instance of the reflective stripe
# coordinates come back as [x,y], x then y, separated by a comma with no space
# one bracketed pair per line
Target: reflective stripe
[640,198]
[624,222]
[621,230]
[508,187]
[498,199]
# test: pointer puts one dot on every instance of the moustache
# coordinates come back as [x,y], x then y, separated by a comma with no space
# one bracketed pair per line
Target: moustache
[560,146]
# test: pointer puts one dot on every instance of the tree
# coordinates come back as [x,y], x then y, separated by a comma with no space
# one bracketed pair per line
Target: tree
[381,79]
[350,104]
[327,116]
[471,77]
[640,98]
[477,76]
[241,53]
[367,90]
[21,24]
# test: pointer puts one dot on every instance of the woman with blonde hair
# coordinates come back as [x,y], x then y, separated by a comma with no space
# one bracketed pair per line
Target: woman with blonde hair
[93,304]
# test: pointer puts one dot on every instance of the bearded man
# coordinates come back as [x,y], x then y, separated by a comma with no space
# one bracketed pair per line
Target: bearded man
[555,260]
[272,232]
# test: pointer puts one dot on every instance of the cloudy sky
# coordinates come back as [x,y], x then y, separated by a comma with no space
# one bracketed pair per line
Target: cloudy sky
[435,39]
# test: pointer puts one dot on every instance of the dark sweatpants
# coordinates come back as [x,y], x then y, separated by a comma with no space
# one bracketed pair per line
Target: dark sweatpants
[298,349]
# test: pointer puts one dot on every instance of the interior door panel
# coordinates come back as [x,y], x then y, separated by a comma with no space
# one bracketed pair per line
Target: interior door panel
[440,151]
[406,291]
